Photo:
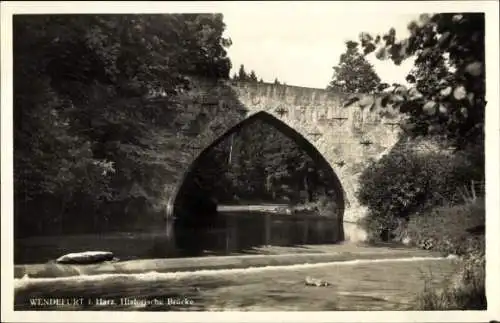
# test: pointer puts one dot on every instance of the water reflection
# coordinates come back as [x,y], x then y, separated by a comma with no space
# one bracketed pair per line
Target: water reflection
[239,232]
[230,233]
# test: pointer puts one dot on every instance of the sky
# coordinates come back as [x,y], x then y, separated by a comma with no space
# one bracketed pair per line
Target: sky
[300,47]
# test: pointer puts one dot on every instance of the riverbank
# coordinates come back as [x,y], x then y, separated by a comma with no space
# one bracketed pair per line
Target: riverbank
[261,257]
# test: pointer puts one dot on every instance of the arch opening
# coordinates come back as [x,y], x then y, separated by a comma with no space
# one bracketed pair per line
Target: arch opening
[210,179]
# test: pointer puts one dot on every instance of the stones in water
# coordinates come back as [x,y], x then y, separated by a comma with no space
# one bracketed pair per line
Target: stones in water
[87,257]
[406,241]
[453,257]
[427,244]
[309,281]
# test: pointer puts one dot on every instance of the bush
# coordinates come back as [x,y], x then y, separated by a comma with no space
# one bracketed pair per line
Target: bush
[450,229]
[406,182]
[323,206]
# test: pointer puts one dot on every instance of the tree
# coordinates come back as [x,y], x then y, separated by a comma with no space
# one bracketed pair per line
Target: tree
[353,74]
[242,75]
[447,96]
[94,100]
[276,81]
[382,86]
[265,164]
[252,77]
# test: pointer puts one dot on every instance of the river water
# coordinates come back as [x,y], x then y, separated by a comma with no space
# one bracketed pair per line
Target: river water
[388,284]
[235,232]
[367,284]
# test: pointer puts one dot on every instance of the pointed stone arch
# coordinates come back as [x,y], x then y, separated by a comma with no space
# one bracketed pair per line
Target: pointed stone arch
[183,201]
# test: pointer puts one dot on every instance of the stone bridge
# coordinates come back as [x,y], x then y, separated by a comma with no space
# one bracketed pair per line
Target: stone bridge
[346,135]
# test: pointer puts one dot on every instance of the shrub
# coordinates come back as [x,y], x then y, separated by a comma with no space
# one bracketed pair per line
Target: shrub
[323,205]
[405,182]
[448,228]
[391,186]
[326,206]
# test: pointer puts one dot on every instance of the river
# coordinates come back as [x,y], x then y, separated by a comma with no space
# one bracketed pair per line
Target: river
[233,233]
[363,277]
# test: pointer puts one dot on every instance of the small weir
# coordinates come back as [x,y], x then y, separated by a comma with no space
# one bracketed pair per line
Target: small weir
[376,284]
[155,276]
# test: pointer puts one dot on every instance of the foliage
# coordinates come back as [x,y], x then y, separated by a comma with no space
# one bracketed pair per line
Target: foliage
[242,74]
[97,107]
[324,206]
[253,76]
[354,74]
[246,77]
[260,163]
[458,230]
[455,229]
[405,181]
[466,292]
[447,96]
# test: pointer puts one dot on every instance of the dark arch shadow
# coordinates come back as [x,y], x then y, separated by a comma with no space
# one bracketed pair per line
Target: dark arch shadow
[188,200]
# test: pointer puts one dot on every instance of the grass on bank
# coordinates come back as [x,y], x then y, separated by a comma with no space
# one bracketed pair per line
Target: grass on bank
[464,291]
[455,230]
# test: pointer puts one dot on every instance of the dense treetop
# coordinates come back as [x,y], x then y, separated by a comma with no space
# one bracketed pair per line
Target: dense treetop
[354,74]
[98,109]
[447,96]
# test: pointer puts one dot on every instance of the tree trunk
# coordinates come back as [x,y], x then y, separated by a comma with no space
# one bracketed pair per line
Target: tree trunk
[230,157]
[60,216]
[308,188]
[268,229]
[306,231]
